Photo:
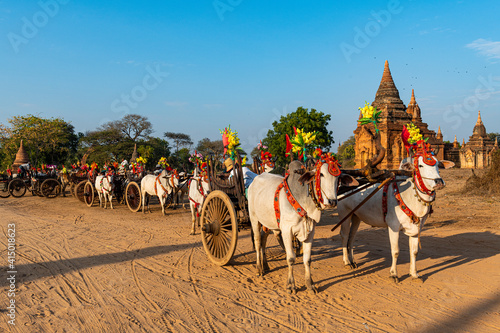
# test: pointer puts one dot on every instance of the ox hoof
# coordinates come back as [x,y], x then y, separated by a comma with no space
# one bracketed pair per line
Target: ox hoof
[291,290]
[312,290]
[395,279]
[417,280]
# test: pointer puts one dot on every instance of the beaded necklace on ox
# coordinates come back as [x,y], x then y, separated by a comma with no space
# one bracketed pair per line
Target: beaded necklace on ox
[333,169]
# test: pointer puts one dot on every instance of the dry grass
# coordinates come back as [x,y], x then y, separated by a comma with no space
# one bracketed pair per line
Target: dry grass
[486,184]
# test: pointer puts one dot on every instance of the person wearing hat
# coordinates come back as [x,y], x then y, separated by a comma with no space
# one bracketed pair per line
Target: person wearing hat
[229,164]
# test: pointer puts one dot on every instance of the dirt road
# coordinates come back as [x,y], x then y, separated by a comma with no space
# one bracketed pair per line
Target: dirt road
[85,269]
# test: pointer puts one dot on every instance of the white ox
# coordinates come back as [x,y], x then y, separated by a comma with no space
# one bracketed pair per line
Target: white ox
[372,211]
[198,191]
[158,185]
[104,187]
[261,197]
[181,190]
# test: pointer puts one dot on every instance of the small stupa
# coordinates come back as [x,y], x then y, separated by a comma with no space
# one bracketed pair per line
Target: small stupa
[135,155]
[21,158]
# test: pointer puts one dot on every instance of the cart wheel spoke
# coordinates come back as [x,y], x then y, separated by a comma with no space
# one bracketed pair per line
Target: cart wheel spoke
[219,227]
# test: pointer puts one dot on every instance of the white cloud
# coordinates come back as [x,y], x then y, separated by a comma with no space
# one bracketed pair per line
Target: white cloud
[486,47]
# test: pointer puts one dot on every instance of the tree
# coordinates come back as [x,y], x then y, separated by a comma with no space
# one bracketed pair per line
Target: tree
[310,121]
[494,136]
[108,145]
[346,153]
[47,141]
[208,147]
[180,140]
[131,126]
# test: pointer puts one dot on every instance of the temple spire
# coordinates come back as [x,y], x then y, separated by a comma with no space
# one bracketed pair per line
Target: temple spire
[479,129]
[134,154]
[439,135]
[413,109]
[388,96]
[479,120]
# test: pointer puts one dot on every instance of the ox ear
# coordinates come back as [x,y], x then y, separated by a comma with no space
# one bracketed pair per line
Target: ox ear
[406,165]
[444,164]
[307,177]
[348,180]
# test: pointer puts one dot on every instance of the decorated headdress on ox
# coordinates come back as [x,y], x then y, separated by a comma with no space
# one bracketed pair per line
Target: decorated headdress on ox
[266,157]
[231,144]
[416,145]
[303,144]
[197,160]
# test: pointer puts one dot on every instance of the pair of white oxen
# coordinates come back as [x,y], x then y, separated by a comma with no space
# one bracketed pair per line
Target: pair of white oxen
[160,185]
[415,197]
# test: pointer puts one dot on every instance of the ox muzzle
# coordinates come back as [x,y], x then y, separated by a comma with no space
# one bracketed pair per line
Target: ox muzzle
[439,184]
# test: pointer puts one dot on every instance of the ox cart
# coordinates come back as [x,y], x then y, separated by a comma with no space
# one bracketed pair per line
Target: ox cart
[225,209]
[41,184]
[133,196]
[224,213]
[4,185]
[90,192]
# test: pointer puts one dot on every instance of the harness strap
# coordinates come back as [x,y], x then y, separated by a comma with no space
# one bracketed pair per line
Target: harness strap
[291,199]
[200,189]
[415,219]
[161,185]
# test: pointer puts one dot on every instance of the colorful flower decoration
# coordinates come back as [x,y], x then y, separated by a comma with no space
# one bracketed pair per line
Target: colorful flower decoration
[141,160]
[412,139]
[64,170]
[231,141]
[300,143]
[260,146]
[412,133]
[163,162]
[369,115]
[196,158]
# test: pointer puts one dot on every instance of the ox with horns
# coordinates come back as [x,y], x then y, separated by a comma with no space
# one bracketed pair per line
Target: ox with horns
[198,191]
[105,187]
[157,185]
[292,206]
[402,205]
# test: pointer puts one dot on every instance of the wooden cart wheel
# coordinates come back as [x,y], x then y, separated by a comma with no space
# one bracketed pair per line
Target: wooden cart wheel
[219,227]
[50,188]
[4,189]
[79,190]
[72,189]
[88,194]
[133,196]
[17,188]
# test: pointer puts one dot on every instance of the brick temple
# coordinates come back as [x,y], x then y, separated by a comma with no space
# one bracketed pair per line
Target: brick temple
[475,154]
[394,116]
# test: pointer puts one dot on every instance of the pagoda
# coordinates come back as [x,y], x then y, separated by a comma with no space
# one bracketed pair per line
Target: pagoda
[21,158]
[135,155]
[476,153]
[393,117]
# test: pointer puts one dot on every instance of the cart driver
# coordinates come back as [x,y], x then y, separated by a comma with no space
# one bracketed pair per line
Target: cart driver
[24,170]
[248,176]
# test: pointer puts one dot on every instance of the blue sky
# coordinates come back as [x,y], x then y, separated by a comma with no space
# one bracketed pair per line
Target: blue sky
[197,66]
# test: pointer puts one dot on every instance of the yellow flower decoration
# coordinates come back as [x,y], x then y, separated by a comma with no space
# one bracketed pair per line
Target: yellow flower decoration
[141,160]
[415,134]
[369,115]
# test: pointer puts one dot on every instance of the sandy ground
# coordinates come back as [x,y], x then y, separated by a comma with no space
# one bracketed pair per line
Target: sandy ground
[85,269]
